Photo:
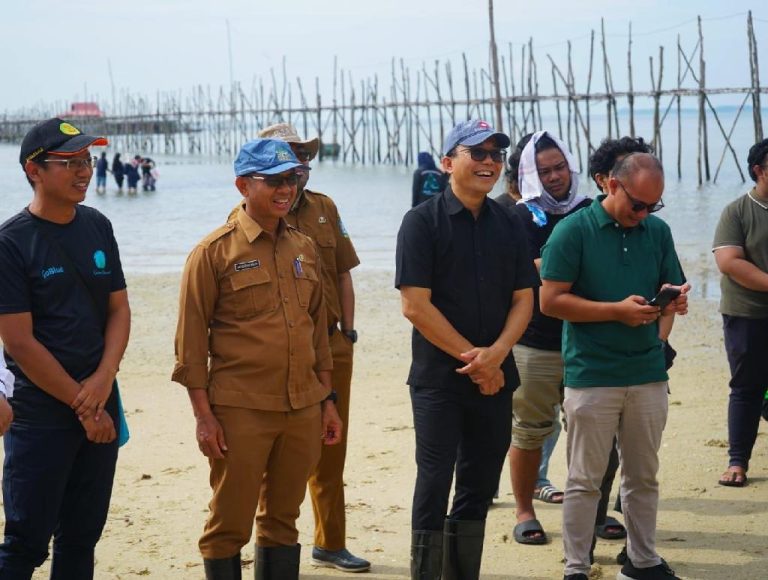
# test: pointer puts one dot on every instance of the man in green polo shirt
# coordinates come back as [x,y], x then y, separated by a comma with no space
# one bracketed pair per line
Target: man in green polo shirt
[599,269]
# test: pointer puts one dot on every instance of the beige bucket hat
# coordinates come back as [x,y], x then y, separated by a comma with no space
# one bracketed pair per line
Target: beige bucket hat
[287,132]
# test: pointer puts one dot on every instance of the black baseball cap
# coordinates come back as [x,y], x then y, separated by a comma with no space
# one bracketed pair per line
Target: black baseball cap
[56,136]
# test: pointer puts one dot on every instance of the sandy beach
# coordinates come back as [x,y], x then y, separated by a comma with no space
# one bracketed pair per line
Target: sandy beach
[160,498]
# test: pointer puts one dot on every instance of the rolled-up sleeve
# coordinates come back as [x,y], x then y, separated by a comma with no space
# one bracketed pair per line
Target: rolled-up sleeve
[197,299]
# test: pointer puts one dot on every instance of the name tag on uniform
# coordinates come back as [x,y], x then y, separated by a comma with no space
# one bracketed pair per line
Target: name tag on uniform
[247,265]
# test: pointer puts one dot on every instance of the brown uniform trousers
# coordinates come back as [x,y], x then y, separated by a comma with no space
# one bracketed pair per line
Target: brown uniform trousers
[326,484]
[317,216]
[270,455]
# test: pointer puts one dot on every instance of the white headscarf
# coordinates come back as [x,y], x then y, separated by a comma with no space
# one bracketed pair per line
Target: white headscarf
[531,188]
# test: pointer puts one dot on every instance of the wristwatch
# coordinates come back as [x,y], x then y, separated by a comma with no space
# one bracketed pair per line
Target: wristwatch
[351,335]
[333,397]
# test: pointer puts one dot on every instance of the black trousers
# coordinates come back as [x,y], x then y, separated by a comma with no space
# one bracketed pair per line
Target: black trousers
[461,429]
[746,344]
[55,483]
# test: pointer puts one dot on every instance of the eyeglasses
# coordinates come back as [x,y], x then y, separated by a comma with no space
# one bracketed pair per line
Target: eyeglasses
[479,154]
[275,181]
[638,206]
[303,155]
[562,166]
[76,163]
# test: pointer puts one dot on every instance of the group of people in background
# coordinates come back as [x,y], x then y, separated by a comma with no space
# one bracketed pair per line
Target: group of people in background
[595,342]
[541,301]
[139,169]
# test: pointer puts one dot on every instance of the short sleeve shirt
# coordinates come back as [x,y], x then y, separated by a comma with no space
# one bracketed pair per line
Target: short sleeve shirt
[744,224]
[317,216]
[35,277]
[472,267]
[606,263]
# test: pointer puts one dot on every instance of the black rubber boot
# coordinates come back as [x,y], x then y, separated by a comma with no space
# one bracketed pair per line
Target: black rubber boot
[223,568]
[462,549]
[278,563]
[426,554]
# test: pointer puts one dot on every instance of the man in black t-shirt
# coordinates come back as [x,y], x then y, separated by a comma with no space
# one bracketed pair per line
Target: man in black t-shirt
[64,323]
[549,189]
[465,279]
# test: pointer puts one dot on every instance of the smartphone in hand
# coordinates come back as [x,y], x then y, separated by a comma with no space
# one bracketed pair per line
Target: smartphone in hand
[665,296]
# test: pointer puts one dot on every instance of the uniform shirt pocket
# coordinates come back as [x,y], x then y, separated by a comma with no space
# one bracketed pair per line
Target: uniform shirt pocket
[252,293]
[327,245]
[306,282]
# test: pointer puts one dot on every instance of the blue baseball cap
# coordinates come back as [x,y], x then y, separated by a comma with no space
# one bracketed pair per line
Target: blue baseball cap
[265,156]
[471,133]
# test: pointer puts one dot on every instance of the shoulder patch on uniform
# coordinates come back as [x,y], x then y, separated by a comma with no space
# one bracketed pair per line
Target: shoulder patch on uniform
[342,229]
[239,266]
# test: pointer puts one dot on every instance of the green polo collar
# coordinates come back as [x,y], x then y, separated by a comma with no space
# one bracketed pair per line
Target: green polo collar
[603,217]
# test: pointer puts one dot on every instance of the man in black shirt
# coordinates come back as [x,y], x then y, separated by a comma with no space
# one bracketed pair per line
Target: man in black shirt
[465,279]
[64,323]
[549,190]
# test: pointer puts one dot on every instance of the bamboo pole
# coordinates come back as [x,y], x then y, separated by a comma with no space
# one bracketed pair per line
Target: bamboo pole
[495,70]
[631,96]
[757,112]
[702,96]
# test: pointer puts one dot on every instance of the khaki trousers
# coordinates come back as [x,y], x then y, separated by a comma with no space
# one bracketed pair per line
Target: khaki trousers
[270,456]
[326,484]
[535,401]
[594,415]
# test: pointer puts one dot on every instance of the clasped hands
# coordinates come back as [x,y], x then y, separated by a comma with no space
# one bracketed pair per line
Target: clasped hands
[484,368]
[89,406]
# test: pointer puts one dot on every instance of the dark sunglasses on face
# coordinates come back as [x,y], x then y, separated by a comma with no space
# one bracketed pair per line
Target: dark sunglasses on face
[76,163]
[638,206]
[275,181]
[479,154]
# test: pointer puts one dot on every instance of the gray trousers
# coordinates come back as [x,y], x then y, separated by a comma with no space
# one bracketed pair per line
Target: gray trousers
[594,415]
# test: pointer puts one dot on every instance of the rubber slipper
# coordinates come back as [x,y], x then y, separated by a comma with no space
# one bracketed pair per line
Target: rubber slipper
[549,494]
[732,478]
[612,529]
[524,533]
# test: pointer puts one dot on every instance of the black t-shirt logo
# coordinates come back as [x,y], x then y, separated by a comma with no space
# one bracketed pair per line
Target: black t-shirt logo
[100,261]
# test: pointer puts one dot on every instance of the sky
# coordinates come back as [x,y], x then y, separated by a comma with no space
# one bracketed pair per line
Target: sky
[58,51]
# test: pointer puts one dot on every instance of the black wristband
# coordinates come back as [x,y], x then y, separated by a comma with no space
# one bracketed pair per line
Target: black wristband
[333,397]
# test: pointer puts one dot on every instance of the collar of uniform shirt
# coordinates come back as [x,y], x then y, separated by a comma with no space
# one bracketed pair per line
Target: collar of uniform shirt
[252,229]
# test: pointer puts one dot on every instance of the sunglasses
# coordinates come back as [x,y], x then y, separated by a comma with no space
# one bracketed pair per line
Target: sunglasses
[638,206]
[275,181]
[74,164]
[479,154]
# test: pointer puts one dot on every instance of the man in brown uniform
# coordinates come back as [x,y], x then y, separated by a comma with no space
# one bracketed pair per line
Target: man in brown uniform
[315,215]
[252,350]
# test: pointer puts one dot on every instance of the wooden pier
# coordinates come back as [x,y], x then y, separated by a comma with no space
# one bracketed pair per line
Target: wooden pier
[377,121]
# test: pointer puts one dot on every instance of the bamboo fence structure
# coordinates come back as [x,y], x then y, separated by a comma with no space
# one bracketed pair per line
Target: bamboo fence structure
[377,121]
